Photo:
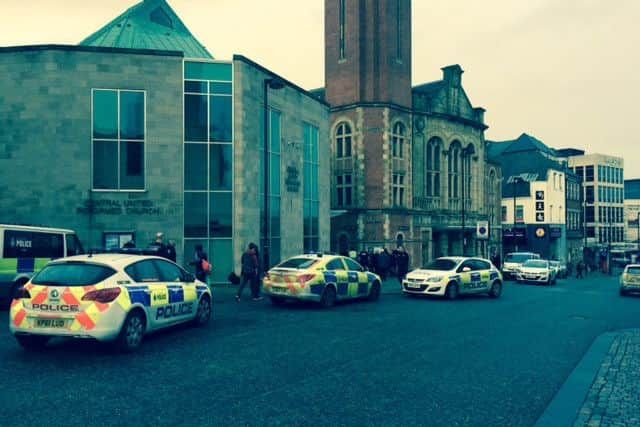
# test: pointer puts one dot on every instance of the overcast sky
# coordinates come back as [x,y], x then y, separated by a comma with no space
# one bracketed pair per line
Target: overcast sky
[564,71]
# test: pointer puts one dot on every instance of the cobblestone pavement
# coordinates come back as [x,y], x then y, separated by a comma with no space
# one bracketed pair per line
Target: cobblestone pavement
[614,397]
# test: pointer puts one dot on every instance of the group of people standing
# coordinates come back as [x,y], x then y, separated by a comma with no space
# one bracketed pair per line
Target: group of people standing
[384,263]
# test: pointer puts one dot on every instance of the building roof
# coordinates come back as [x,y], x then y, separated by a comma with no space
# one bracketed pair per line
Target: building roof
[150,24]
[632,189]
[521,144]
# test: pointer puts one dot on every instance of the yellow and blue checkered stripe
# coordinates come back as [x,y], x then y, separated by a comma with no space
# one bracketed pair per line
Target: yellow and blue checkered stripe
[139,294]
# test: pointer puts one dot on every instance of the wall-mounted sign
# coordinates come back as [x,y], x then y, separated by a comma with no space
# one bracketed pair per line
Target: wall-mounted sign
[555,232]
[540,195]
[118,207]
[539,216]
[482,230]
[539,206]
[292,181]
[540,232]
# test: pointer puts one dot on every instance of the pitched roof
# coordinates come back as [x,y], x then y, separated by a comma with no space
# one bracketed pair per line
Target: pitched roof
[430,88]
[150,24]
[521,144]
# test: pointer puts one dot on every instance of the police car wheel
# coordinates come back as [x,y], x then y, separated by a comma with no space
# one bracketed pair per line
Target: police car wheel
[204,311]
[452,291]
[328,298]
[277,301]
[374,293]
[496,289]
[32,342]
[132,331]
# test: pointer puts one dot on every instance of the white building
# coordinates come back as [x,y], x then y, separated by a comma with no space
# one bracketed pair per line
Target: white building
[631,210]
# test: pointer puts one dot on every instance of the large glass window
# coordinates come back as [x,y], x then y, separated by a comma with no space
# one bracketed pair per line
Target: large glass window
[398,139]
[118,139]
[274,152]
[343,140]
[589,193]
[311,197]
[208,163]
[433,167]
[344,190]
[454,170]
[588,176]
[397,189]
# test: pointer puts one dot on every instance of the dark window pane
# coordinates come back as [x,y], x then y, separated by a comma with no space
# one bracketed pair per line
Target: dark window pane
[32,244]
[221,215]
[222,255]
[307,180]
[132,165]
[315,213]
[73,274]
[195,166]
[105,114]
[169,272]
[274,128]
[314,182]
[274,182]
[221,88]
[195,118]
[220,121]
[132,115]
[307,218]
[195,87]
[195,214]
[207,71]
[105,165]
[220,166]
[274,212]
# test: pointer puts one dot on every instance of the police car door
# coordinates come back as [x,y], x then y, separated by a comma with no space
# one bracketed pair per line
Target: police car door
[337,267]
[182,295]
[358,279]
[484,268]
[155,293]
[465,271]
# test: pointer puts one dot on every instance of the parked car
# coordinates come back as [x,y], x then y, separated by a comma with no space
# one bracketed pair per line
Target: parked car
[322,278]
[630,279]
[560,267]
[451,276]
[536,271]
[107,297]
[514,260]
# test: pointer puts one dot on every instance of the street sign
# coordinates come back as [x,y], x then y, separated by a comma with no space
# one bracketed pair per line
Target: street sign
[482,230]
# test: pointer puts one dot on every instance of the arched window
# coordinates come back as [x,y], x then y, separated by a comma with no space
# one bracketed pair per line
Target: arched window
[433,167]
[454,166]
[467,174]
[343,140]
[398,138]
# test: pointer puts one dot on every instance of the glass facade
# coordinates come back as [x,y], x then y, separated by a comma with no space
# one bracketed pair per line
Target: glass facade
[274,152]
[311,194]
[208,163]
[118,137]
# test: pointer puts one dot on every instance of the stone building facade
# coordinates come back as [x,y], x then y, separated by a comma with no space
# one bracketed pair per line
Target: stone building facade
[403,158]
[119,143]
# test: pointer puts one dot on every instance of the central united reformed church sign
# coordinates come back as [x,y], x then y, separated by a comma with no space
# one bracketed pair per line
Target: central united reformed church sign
[118,207]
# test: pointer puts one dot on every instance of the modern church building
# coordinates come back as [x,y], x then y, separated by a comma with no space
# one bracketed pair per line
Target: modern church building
[139,130]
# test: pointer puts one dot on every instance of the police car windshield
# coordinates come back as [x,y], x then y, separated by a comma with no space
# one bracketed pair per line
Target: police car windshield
[535,263]
[519,258]
[72,274]
[299,263]
[441,264]
[633,270]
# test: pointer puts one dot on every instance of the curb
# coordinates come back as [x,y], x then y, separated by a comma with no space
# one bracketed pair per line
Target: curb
[566,404]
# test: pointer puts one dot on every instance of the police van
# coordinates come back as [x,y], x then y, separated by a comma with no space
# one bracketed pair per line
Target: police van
[24,250]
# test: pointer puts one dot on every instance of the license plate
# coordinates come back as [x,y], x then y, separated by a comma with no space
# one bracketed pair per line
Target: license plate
[278,290]
[49,323]
[414,285]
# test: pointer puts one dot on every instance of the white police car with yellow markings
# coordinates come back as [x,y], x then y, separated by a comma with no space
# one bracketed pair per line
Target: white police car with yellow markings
[321,278]
[630,279]
[107,297]
[452,276]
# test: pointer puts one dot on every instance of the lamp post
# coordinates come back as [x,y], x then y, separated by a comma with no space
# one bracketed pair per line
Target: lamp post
[275,84]
[516,179]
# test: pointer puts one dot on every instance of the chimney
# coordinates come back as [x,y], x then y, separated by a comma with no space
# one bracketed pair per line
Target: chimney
[452,75]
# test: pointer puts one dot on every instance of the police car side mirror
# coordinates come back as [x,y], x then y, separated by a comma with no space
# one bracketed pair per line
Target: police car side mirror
[466,269]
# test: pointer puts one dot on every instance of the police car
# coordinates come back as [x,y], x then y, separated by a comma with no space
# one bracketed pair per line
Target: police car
[107,297]
[321,278]
[452,276]
[630,279]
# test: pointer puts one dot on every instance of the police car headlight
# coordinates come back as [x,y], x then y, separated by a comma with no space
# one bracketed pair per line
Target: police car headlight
[434,279]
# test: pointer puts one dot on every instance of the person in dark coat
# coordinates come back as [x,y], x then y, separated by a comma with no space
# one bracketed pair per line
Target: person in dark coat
[384,263]
[171,251]
[199,255]
[402,263]
[249,263]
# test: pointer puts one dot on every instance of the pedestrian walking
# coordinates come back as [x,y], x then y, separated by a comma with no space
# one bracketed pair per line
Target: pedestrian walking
[384,260]
[255,285]
[199,256]
[171,251]
[496,260]
[363,259]
[579,268]
[402,263]
[249,264]
[158,246]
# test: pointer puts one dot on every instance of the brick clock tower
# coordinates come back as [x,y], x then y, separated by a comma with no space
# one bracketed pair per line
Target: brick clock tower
[368,85]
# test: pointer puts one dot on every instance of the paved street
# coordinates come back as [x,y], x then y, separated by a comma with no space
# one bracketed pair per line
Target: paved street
[400,361]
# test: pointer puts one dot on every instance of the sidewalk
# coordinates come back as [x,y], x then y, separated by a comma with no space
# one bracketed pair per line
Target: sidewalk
[604,389]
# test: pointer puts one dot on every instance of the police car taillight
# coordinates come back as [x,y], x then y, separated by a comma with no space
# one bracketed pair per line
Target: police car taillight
[102,295]
[22,293]
[305,278]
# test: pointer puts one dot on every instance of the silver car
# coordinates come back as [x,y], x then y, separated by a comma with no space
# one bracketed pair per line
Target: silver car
[536,271]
